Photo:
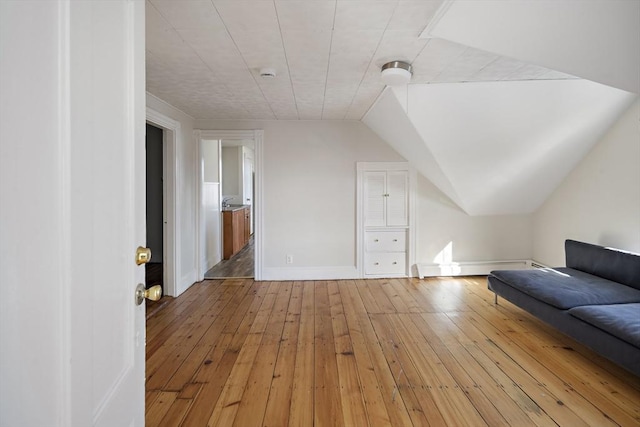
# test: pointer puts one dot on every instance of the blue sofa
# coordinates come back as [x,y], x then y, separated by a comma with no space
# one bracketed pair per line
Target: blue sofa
[595,299]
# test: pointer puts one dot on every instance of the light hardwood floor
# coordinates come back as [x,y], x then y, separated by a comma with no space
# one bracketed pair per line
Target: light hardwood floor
[400,352]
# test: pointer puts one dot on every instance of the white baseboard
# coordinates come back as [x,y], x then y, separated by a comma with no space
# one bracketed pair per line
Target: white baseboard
[309,273]
[470,268]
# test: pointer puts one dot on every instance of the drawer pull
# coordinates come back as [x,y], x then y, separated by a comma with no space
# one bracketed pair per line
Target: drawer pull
[376,263]
[395,240]
[394,263]
[375,240]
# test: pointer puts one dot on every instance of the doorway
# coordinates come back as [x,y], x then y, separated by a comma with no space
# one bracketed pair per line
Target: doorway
[166,235]
[236,197]
[239,186]
[154,271]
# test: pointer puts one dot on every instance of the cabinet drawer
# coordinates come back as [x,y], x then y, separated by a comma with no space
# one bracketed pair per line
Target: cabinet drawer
[385,241]
[385,263]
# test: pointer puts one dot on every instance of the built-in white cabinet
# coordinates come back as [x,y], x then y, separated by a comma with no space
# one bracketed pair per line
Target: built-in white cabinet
[386,201]
[385,252]
[385,231]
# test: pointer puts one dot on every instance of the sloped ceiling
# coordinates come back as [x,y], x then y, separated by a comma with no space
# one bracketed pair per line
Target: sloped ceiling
[597,40]
[502,147]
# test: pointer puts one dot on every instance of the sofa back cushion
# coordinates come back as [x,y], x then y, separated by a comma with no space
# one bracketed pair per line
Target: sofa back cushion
[612,264]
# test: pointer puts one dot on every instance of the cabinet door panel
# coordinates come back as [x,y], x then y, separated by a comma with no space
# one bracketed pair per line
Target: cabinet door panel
[397,201]
[374,199]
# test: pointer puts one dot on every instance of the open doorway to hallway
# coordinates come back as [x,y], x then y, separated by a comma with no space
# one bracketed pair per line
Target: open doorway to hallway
[154,270]
[236,183]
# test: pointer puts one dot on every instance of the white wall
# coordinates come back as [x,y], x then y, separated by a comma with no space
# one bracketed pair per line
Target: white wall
[442,224]
[185,193]
[211,160]
[599,202]
[231,174]
[309,170]
[211,253]
[310,194]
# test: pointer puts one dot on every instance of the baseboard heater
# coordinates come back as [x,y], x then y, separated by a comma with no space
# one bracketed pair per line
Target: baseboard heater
[474,268]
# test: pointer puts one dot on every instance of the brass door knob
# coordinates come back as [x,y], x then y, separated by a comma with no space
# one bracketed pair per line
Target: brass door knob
[143,255]
[154,293]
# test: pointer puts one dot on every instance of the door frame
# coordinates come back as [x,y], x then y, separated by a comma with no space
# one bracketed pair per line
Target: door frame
[258,136]
[170,212]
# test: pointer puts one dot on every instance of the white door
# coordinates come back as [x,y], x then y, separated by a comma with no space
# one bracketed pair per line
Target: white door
[111,210]
[73,119]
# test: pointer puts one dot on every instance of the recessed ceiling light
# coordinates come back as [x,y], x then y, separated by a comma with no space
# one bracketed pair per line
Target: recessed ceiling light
[396,73]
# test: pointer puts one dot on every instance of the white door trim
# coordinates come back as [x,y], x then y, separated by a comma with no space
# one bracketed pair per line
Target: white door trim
[257,136]
[171,234]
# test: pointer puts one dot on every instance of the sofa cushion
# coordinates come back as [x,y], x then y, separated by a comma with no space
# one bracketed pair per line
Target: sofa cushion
[613,264]
[565,288]
[620,320]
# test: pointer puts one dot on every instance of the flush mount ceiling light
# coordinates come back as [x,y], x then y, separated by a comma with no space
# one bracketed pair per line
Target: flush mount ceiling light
[396,73]
[267,73]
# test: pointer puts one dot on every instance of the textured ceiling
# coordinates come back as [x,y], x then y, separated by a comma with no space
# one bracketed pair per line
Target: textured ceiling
[204,56]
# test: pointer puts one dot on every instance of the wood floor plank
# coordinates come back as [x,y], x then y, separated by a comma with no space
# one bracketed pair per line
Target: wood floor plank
[407,295]
[352,399]
[164,362]
[495,406]
[159,408]
[175,414]
[533,380]
[532,345]
[412,382]
[172,316]
[189,366]
[254,399]
[279,402]
[227,406]
[380,296]
[621,411]
[302,399]
[458,398]
[328,407]
[220,362]
[383,352]
[215,371]
[375,407]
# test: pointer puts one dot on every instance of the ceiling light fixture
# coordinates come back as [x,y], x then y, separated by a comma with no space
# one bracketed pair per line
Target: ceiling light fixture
[396,73]
[267,73]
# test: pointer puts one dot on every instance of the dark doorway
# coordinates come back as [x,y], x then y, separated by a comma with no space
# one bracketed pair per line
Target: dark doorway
[154,271]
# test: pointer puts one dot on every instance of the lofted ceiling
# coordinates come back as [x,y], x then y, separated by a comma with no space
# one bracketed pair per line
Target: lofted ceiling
[497,148]
[504,147]
[597,40]
[493,115]
[204,56]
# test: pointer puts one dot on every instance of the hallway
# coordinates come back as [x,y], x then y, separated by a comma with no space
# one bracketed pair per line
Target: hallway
[241,265]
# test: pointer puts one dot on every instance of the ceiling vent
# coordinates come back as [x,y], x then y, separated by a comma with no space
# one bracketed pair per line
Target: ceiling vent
[267,73]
